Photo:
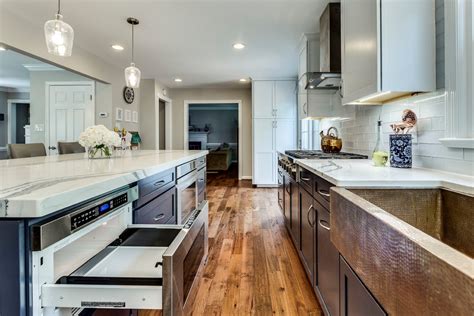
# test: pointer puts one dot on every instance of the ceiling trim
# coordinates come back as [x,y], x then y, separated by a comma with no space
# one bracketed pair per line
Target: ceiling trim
[41,67]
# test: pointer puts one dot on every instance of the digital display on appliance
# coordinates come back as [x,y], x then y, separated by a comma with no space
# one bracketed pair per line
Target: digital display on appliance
[104,207]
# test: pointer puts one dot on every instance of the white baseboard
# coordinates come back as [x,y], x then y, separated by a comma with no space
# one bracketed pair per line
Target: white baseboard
[246,178]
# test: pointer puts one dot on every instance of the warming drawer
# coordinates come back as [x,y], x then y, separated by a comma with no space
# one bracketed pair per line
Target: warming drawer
[143,268]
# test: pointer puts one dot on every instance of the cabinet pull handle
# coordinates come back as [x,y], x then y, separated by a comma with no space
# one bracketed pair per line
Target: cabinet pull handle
[324,193]
[158,183]
[305,179]
[324,224]
[311,223]
[158,217]
[305,108]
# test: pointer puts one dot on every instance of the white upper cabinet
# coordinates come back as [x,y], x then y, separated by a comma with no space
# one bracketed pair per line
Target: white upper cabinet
[285,99]
[274,99]
[308,58]
[388,49]
[262,94]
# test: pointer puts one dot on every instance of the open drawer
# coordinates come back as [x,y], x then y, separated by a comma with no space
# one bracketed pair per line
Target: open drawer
[145,267]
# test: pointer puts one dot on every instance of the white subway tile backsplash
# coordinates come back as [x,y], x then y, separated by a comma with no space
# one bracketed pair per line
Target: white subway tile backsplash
[359,135]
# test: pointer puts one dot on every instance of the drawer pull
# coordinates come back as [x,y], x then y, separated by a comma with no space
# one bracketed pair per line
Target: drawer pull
[159,183]
[311,223]
[159,263]
[324,224]
[305,179]
[324,193]
[158,217]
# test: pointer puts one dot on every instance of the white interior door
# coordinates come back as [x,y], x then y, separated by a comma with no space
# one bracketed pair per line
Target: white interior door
[71,110]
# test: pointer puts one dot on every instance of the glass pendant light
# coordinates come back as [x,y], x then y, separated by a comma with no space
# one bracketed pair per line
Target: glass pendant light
[59,35]
[132,73]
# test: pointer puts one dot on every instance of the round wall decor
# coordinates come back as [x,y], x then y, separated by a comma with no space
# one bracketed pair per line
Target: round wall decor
[128,95]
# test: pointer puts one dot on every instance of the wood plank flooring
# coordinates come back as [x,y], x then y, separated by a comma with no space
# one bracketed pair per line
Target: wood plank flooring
[253,267]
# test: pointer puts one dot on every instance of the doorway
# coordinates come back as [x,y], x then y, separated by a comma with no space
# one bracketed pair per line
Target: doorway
[18,129]
[216,126]
[71,109]
[162,124]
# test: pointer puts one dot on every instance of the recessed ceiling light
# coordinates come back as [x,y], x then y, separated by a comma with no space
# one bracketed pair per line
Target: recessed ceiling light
[178,80]
[239,46]
[117,47]
[243,80]
[2,48]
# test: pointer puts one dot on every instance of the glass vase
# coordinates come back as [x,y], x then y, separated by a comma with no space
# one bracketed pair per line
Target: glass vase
[99,152]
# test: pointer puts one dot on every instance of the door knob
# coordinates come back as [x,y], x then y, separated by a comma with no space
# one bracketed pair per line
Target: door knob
[52,147]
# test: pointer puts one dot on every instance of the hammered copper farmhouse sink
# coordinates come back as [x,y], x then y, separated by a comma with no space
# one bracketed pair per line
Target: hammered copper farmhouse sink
[413,248]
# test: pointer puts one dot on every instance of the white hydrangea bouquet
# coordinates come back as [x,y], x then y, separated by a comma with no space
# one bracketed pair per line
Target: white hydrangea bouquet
[99,141]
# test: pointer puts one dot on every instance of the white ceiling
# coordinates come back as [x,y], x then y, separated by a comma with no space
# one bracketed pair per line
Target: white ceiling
[190,39]
[13,73]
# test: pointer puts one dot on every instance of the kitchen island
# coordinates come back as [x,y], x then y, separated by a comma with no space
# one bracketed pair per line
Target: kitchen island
[58,212]
[382,240]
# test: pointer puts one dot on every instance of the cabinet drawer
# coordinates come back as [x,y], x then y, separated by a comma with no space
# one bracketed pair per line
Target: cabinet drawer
[161,210]
[321,191]
[306,180]
[151,187]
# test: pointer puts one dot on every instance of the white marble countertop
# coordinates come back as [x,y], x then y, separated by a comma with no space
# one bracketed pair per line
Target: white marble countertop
[355,173]
[35,187]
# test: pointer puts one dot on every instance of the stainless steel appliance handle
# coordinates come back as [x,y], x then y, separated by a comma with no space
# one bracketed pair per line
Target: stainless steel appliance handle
[324,193]
[324,224]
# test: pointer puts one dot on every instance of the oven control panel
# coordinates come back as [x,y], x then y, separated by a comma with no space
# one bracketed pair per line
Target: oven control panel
[89,215]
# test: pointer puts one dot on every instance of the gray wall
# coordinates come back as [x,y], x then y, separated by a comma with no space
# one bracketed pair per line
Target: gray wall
[224,124]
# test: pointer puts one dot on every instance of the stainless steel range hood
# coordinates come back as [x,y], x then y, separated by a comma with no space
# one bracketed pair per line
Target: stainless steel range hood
[329,76]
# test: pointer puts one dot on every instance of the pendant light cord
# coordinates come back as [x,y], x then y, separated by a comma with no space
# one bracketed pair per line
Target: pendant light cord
[59,6]
[133,45]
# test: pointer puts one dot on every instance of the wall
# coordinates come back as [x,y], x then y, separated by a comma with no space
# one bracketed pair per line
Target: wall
[359,135]
[25,36]
[224,124]
[245,94]
[147,114]
[4,97]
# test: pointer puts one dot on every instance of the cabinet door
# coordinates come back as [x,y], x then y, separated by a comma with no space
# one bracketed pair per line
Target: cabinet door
[327,263]
[285,99]
[262,95]
[295,214]
[355,299]
[285,134]
[307,233]
[359,64]
[264,152]
[302,105]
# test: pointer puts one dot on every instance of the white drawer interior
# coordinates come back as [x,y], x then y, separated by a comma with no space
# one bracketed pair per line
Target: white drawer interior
[138,262]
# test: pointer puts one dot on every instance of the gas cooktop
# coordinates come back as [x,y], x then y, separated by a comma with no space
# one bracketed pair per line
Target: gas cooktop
[318,154]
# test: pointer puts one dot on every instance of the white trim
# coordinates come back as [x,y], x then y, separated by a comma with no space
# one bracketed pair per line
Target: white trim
[246,178]
[458,72]
[10,103]
[186,125]
[47,85]
[168,120]
[42,67]
[15,90]
[458,142]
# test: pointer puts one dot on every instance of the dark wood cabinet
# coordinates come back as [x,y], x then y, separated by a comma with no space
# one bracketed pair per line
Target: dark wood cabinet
[307,242]
[355,299]
[295,228]
[328,262]
[287,199]
[161,210]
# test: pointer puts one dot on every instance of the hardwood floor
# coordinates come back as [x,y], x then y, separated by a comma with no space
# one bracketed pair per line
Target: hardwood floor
[253,267]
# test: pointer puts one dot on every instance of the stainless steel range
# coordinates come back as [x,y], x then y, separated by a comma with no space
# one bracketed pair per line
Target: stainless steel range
[287,162]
